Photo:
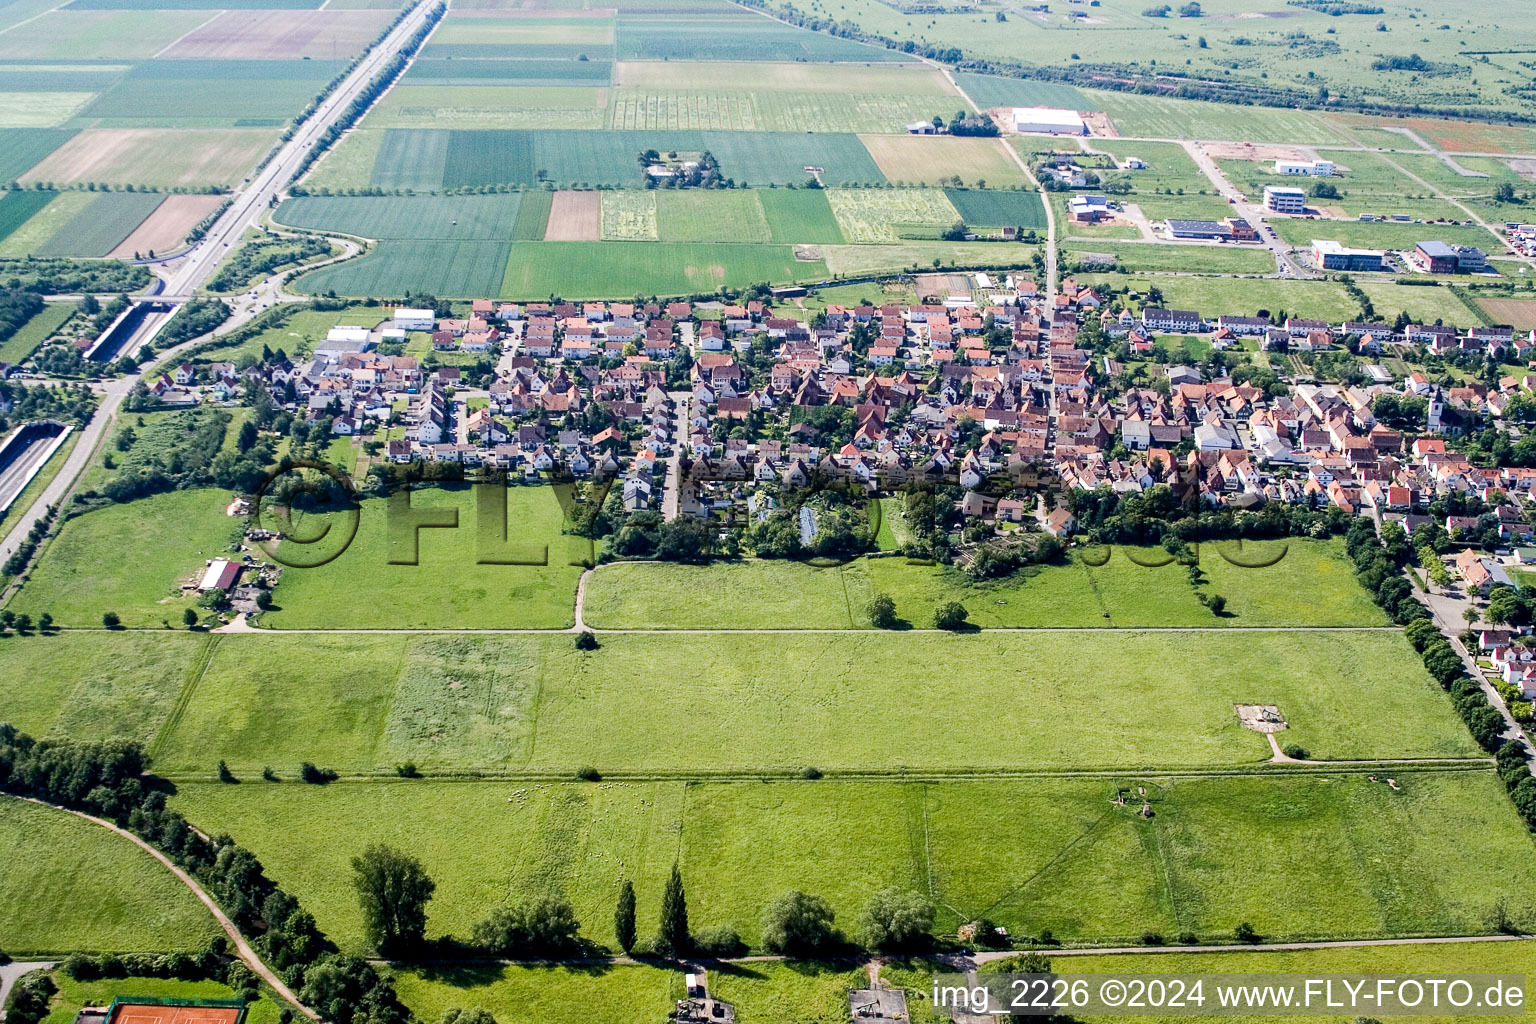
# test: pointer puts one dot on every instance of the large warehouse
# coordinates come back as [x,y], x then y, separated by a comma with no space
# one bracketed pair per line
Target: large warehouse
[1049,121]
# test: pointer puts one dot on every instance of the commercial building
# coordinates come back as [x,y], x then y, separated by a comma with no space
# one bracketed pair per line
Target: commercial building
[1241,230]
[415,319]
[1470,259]
[1313,168]
[1088,209]
[1330,255]
[1048,121]
[1284,199]
[1198,229]
[1439,257]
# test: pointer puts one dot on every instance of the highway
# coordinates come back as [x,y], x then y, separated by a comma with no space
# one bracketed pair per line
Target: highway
[193,270]
[15,477]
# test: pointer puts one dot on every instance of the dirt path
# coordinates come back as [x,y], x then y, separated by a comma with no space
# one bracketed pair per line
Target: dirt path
[242,948]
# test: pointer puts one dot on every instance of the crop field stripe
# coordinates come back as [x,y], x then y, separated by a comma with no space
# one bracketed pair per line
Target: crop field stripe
[990,91]
[455,268]
[994,208]
[486,217]
[195,673]
[26,147]
[411,159]
[17,207]
[800,216]
[105,222]
[532,216]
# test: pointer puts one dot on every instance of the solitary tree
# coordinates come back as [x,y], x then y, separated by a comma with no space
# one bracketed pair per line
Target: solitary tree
[672,937]
[476,1016]
[624,916]
[189,617]
[111,621]
[393,890]
[882,611]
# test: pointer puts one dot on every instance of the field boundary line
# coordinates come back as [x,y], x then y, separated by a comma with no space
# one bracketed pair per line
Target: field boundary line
[242,947]
[1090,830]
[1265,769]
[194,678]
[786,631]
[200,25]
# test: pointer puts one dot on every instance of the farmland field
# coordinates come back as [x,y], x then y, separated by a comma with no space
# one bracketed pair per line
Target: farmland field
[727,215]
[210,93]
[35,331]
[1378,235]
[446,217]
[1158,117]
[532,216]
[799,215]
[1059,857]
[408,158]
[1518,313]
[990,91]
[629,216]
[71,885]
[101,225]
[121,559]
[800,77]
[167,227]
[26,146]
[773,111]
[594,270]
[78,35]
[418,596]
[36,231]
[281,34]
[37,109]
[934,159]
[476,105]
[574,217]
[886,215]
[1312,585]
[453,267]
[993,208]
[16,208]
[154,157]
[763,703]
[1189,258]
[736,38]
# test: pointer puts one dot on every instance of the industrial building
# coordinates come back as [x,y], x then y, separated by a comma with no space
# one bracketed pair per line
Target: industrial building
[1284,199]
[1198,229]
[1330,255]
[1314,168]
[1048,121]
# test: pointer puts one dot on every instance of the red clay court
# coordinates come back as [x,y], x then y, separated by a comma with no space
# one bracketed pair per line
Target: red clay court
[126,1011]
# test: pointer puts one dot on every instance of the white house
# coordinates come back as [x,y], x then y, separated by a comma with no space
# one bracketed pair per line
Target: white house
[415,319]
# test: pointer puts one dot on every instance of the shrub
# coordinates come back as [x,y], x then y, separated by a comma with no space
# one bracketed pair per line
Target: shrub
[1244,932]
[225,775]
[1297,751]
[897,920]
[810,772]
[316,776]
[589,774]
[586,641]
[951,615]
[111,620]
[1152,938]
[718,940]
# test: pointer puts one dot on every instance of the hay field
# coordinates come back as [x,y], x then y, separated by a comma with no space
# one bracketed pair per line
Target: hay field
[1518,313]
[935,159]
[881,215]
[156,157]
[281,35]
[575,217]
[40,109]
[167,227]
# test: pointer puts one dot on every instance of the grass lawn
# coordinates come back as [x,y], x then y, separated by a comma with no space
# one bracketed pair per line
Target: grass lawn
[1205,259]
[94,685]
[765,702]
[1423,960]
[1380,235]
[123,559]
[534,994]
[1339,854]
[1213,296]
[448,587]
[771,993]
[74,995]
[1312,585]
[71,885]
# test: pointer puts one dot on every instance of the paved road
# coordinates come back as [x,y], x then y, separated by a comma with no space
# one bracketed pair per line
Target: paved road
[193,271]
[12,973]
[1242,208]
[15,477]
